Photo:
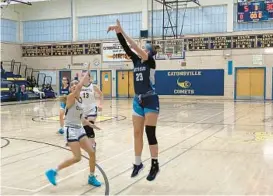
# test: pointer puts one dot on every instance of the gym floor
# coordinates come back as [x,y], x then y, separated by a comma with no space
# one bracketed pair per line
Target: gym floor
[206,147]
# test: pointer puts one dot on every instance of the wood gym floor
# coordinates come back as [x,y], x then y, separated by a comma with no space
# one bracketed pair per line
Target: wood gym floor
[206,147]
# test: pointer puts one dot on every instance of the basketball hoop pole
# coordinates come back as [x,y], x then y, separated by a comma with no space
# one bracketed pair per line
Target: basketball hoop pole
[177,1]
[168,7]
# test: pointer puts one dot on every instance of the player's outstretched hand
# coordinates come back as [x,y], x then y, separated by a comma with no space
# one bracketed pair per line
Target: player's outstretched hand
[111,28]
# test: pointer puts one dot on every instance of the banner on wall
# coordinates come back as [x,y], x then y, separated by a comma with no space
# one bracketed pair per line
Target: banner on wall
[206,82]
[113,52]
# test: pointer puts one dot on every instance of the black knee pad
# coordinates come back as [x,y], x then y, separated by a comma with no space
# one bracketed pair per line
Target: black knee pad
[150,132]
[89,131]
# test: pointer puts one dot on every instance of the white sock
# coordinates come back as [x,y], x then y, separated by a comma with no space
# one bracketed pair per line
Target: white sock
[137,160]
[91,174]
[154,157]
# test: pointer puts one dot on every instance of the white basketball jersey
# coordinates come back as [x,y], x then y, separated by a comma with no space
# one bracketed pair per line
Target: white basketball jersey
[88,98]
[73,114]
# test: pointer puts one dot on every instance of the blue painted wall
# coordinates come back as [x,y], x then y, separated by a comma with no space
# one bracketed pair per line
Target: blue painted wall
[207,82]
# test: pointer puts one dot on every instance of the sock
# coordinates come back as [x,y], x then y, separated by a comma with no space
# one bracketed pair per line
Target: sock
[154,161]
[91,174]
[138,160]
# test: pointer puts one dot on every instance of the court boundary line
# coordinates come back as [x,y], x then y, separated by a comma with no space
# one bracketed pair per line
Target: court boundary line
[124,171]
[192,124]
[117,154]
[18,189]
[256,125]
[24,103]
[233,152]
[26,158]
[60,180]
[172,159]
[42,118]
[107,186]
[14,155]
[6,144]
[125,188]
[163,135]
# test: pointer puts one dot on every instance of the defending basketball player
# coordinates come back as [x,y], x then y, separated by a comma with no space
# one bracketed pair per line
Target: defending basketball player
[90,109]
[146,101]
[64,91]
[74,132]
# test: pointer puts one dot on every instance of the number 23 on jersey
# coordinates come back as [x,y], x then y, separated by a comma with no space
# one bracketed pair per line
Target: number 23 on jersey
[139,77]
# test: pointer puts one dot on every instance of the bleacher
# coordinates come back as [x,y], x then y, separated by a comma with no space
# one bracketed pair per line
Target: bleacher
[19,83]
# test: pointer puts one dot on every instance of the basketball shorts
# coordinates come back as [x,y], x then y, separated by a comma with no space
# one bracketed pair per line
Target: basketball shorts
[74,134]
[92,113]
[145,105]
[62,106]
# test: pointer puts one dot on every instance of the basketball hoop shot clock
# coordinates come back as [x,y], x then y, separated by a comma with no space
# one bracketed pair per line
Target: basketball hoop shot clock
[254,10]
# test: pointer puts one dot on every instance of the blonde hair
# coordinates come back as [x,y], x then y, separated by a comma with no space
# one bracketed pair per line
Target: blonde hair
[73,82]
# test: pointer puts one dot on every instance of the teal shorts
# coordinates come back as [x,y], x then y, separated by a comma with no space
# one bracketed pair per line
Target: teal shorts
[62,106]
[149,104]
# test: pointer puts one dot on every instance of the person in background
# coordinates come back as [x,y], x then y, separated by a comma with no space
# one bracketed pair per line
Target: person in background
[64,92]
[90,109]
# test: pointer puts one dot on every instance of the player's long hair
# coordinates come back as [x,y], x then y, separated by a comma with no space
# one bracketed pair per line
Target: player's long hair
[68,83]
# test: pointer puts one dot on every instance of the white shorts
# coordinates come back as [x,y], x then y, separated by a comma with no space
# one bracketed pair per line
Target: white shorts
[73,134]
[91,113]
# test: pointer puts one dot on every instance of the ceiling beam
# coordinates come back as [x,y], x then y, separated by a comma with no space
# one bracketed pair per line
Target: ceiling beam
[22,2]
[167,2]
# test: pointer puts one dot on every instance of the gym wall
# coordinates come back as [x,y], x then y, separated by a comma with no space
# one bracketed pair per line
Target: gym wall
[10,47]
[88,13]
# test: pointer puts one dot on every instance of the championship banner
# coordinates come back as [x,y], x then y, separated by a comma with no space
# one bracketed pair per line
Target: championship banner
[206,82]
[113,52]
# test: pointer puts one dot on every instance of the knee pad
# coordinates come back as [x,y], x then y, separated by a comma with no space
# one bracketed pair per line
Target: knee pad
[150,132]
[89,131]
